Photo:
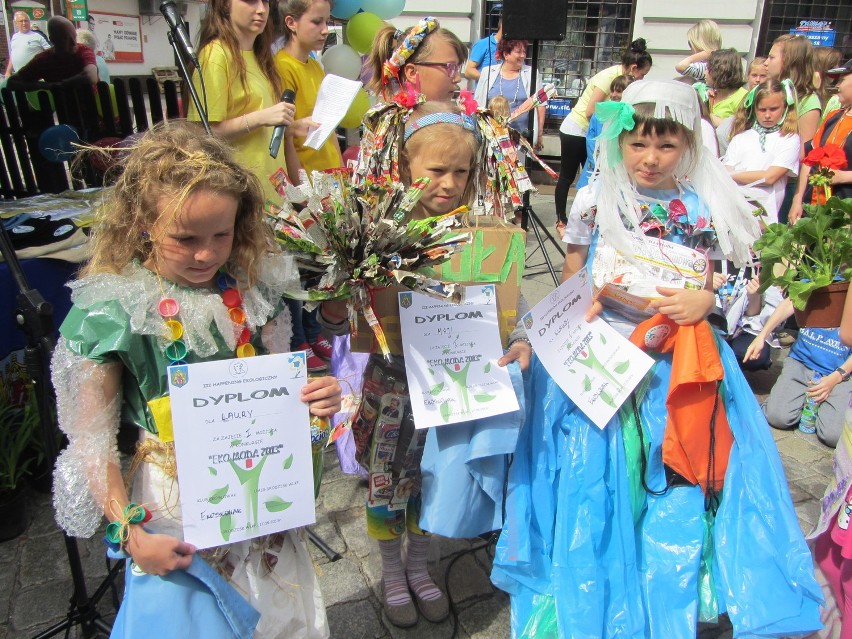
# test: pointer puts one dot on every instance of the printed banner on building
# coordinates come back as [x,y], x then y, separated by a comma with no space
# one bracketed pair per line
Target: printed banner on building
[119,36]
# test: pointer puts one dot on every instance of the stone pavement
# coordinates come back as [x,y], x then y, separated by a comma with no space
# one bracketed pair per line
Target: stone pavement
[35,583]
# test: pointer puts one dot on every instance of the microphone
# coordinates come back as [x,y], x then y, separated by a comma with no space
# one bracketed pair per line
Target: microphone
[289,96]
[170,12]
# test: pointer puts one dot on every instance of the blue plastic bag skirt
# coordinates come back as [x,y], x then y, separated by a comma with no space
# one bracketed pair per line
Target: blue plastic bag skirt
[573,547]
[196,599]
[464,469]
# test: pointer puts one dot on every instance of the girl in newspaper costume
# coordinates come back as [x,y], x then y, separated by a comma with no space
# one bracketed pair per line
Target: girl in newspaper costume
[677,510]
[500,177]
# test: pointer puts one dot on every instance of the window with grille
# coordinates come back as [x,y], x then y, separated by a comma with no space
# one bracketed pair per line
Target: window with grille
[596,34]
[779,16]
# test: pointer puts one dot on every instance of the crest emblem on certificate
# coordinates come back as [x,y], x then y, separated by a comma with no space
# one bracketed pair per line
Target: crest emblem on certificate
[179,375]
[405,300]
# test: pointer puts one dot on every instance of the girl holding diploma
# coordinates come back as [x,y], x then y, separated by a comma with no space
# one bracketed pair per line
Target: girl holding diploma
[440,143]
[183,268]
[654,523]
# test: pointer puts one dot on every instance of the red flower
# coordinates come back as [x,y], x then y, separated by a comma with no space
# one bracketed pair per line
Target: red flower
[467,102]
[829,156]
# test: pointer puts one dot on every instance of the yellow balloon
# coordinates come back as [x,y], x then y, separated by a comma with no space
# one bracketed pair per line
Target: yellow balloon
[356,111]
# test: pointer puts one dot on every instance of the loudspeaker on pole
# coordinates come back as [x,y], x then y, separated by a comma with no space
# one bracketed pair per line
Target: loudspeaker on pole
[538,20]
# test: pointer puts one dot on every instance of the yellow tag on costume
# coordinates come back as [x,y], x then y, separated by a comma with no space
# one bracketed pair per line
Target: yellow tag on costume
[161,411]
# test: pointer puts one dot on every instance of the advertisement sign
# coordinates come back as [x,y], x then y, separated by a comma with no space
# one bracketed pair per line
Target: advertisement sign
[819,32]
[118,36]
[76,10]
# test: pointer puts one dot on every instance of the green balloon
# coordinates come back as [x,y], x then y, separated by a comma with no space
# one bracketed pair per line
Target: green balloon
[356,111]
[361,30]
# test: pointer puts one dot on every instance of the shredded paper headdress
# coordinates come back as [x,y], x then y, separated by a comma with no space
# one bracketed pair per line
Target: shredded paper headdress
[500,177]
[618,208]
[407,48]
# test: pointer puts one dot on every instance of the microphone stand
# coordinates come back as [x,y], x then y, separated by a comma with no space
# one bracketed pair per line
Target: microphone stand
[188,81]
[35,317]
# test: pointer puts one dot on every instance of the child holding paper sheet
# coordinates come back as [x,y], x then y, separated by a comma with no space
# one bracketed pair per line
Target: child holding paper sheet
[184,269]
[440,143]
[655,522]
[305,30]
[243,89]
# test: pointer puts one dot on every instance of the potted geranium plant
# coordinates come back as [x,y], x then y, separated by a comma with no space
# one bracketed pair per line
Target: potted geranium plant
[811,260]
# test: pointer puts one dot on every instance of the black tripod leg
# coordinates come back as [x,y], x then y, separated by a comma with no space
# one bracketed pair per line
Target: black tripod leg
[320,543]
[547,261]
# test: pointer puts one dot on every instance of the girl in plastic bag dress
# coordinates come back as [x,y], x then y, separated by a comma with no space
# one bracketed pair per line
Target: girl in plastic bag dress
[677,510]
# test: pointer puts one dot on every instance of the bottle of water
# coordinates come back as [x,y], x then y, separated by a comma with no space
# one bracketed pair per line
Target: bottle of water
[807,423]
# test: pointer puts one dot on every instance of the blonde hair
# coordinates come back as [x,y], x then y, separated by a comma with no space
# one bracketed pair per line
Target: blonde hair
[704,35]
[389,38]
[797,63]
[86,37]
[745,117]
[757,62]
[443,139]
[171,162]
[499,106]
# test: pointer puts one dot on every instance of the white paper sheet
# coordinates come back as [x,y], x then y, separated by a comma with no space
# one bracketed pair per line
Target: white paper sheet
[451,353]
[333,101]
[595,366]
[243,447]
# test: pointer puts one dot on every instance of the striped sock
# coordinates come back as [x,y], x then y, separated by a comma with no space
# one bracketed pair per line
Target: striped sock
[418,575]
[393,574]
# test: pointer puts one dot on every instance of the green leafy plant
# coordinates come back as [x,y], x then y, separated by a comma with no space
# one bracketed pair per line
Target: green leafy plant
[814,252]
[18,428]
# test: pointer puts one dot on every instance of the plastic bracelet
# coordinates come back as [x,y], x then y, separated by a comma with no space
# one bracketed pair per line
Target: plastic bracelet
[118,531]
[520,339]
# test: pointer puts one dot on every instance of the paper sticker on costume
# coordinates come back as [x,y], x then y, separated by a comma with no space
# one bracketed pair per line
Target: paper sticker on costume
[844,515]
[381,489]
[402,493]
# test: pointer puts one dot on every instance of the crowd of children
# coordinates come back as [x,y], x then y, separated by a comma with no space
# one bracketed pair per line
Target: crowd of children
[673,515]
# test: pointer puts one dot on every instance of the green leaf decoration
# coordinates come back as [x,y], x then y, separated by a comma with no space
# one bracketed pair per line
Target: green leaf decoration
[603,339]
[445,411]
[607,398]
[213,471]
[484,397]
[488,367]
[436,389]
[218,495]
[288,462]
[587,383]
[622,368]
[277,505]
[431,372]
[226,523]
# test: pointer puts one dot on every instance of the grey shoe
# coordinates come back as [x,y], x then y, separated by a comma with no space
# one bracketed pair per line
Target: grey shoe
[435,610]
[403,616]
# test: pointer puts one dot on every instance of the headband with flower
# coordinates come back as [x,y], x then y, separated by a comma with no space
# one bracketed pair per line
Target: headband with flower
[405,50]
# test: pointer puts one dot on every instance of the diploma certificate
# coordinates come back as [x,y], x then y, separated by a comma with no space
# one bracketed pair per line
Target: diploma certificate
[595,366]
[243,447]
[451,352]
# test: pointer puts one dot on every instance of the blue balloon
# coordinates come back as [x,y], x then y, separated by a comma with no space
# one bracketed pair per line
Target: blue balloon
[385,9]
[56,144]
[345,9]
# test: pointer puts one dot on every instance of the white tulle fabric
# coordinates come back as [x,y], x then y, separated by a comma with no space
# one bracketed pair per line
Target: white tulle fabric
[618,207]
[90,419]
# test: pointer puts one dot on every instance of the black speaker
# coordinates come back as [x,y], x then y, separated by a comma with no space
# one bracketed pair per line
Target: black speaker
[534,19]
